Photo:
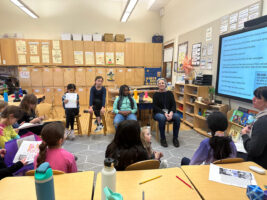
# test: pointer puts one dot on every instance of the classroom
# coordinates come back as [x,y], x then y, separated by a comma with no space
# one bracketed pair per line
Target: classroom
[133,99]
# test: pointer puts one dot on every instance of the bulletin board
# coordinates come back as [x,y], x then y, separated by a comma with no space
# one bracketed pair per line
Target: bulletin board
[208,36]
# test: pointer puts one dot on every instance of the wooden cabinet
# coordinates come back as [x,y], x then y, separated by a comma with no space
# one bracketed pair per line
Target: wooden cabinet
[157,55]
[78,55]
[8,53]
[149,54]
[100,53]
[67,52]
[129,54]
[45,52]
[33,52]
[89,53]
[139,54]
[120,49]
[110,53]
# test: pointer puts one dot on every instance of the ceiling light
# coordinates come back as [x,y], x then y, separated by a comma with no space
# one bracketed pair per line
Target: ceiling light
[128,10]
[25,8]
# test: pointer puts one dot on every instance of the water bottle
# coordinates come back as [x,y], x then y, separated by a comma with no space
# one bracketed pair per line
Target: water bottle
[44,182]
[5,97]
[108,176]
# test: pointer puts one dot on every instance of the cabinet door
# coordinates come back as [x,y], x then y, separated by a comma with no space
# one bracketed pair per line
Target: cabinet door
[24,76]
[49,94]
[119,53]
[139,76]
[89,53]
[157,52]
[120,77]
[58,77]
[45,52]
[129,54]
[129,76]
[90,76]
[67,52]
[81,91]
[110,74]
[8,52]
[69,76]
[149,54]
[58,93]
[78,54]
[80,76]
[37,76]
[100,53]
[110,53]
[139,54]
[33,52]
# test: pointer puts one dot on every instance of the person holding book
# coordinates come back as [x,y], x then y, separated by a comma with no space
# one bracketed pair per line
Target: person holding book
[9,116]
[97,101]
[255,136]
[215,148]
[70,111]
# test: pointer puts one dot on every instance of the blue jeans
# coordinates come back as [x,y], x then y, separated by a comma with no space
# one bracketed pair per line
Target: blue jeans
[119,118]
[162,121]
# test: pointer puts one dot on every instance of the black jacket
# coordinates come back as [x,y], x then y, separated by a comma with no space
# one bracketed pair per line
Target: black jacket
[163,100]
[256,146]
[8,171]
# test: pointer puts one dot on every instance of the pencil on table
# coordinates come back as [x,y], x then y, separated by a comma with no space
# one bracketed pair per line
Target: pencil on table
[150,179]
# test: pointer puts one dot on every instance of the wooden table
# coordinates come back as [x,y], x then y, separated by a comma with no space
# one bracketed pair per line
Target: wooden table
[199,177]
[67,186]
[165,187]
[40,98]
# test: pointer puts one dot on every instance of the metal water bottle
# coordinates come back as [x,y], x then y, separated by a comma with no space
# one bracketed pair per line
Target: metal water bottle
[108,176]
[44,182]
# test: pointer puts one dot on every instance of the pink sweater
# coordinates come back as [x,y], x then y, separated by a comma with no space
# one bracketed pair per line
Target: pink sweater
[59,159]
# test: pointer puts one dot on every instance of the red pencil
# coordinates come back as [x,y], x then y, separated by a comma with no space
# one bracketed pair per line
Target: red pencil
[184,182]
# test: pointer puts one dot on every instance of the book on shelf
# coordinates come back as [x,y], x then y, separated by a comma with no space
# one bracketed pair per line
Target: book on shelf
[235,133]
[243,116]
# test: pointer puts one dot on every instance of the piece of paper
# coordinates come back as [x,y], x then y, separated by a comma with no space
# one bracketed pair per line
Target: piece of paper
[233,18]
[29,125]
[56,55]
[254,8]
[33,48]
[100,59]
[223,28]
[182,53]
[110,75]
[109,58]
[27,138]
[78,57]
[22,59]
[119,58]
[89,58]
[72,100]
[34,59]
[209,49]
[56,44]
[28,150]
[45,48]
[21,47]
[231,176]
[233,27]
[45,58]
[209,34]
[196,52]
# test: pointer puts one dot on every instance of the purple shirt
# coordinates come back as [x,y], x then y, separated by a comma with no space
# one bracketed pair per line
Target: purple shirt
[59,159]
[204,153]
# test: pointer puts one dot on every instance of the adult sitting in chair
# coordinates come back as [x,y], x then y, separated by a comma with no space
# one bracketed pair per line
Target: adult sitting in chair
[164,109]
[124,106]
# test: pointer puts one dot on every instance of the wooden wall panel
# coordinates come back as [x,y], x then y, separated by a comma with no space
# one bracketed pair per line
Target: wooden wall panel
[44,55]
[58,77]
[129,54]
[139,76]
[69,76]
[139,54]
[149,54]
[48,77]
[120,47]
[90,76]
[37,76]
[129,76]
[78,47]
[81,91]
[8,51]
[67,52]
[120,76]
[157,61]
[80,75]
[89,47]
[58,93]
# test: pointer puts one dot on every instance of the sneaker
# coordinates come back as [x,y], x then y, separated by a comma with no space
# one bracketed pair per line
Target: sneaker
[163,164]
[176,142]
[71,135]
[95,122]
[163,143]
[101,125]
[66,134]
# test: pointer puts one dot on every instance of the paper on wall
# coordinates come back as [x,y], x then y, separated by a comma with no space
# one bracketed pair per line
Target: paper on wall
[72,100]
[119,58]
[33,48]
[45,58]
[22,59]
[100,59]
[89,58]
[34,59]
[21,47]
[28,150]
[109,58]
[45,48]
[233,27]
[56,55]
[209,49]
[233,18]
[24,74]
[78,57]
[209,34]
[56,44]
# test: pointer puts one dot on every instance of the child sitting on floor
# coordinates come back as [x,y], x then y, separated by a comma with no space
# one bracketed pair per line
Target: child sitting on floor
[51,151]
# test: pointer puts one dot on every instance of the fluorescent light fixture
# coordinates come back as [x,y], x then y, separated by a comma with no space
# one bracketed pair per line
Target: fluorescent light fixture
[25,8]
[128,10]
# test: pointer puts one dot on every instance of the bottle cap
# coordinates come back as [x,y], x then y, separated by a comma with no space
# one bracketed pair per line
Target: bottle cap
[108,162]
[43,172]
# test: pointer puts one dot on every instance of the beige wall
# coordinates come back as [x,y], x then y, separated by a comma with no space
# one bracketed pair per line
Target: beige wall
[79,16]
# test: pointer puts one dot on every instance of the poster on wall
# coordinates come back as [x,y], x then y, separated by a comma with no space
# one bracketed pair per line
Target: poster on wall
[182,53]
[196,53]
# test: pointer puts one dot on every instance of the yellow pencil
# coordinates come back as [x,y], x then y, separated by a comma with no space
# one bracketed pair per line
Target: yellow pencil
[150,179]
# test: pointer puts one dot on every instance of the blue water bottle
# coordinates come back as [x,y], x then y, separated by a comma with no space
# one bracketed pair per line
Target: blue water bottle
[44,182]
[5,97]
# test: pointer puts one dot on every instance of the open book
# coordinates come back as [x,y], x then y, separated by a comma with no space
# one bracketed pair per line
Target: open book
[29,125]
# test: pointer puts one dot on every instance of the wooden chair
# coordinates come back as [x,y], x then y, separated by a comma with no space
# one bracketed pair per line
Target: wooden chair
[229,160]
[155,127]
[55,172]
[143,165]
[77,124]
[91,121]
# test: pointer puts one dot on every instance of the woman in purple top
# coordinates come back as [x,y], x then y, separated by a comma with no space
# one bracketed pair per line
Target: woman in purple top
[218,146]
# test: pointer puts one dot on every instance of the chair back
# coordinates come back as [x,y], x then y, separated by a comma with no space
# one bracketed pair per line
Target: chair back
[55,172]
[143,165]
[229,160]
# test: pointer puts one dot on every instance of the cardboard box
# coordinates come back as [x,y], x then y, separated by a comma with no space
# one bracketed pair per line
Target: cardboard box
[87,37]
[37,76]
[90,76]
[80,76]
[108,37]
[97,37]
[81,91]
[58,93]
[24,76]
[69,76]
[49,95]
[58,77]
[119,38]
[48,77]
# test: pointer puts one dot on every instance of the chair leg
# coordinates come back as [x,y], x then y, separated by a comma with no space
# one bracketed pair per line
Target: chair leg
[157,130]
[104,123]
[78,123]
[90,124]
[168,127]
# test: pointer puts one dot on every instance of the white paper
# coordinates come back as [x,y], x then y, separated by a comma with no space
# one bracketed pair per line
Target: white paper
[28,125]
[231,176]
[209,34]
[72,100]
[28,150]
[233,18]
[210,49]
[233,27]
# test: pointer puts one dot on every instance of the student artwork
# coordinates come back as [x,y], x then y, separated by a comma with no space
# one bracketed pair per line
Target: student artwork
[89,58]
[196,53]
[78,57]
[235,133]
[21,47]
[99,57]
[110,75]
[182,53]
[119,58]
[28,150]
[109,58]
[72,100]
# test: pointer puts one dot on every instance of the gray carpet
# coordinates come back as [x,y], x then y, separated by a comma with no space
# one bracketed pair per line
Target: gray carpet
[91,150]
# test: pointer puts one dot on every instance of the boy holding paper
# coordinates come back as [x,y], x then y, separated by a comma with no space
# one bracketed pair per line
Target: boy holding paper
[71,105]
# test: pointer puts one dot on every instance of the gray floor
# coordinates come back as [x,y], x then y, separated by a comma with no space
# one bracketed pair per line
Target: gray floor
[91,150]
